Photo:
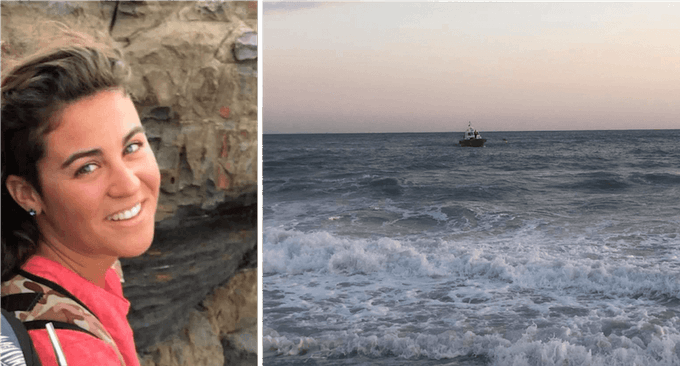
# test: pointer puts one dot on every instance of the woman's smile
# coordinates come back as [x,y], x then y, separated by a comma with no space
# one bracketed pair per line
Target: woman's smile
[134,219]
[126,214]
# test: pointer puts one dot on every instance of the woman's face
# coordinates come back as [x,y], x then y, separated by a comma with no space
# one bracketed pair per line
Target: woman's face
[100,181]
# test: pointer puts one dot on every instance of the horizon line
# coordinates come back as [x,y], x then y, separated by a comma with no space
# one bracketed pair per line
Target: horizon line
[484,131]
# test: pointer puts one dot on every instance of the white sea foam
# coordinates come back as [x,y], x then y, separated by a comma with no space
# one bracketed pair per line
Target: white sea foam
[291,251]
[383,297]
[529,350]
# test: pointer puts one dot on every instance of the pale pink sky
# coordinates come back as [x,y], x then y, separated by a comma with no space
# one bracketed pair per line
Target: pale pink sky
[432,67]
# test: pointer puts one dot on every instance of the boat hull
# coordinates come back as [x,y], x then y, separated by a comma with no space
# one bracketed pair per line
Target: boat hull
[472,142]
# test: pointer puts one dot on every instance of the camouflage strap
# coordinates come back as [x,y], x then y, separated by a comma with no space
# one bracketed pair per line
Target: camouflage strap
[36,301]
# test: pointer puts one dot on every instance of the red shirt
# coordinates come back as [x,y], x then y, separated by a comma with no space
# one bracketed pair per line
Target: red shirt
[108,304]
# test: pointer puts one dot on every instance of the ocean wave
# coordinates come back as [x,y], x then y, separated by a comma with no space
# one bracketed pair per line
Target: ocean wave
[292,251]
[388,186]
[667,179]
[566,347]
[596,182]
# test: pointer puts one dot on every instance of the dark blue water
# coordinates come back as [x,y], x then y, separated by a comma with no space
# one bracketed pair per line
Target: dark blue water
[541,248]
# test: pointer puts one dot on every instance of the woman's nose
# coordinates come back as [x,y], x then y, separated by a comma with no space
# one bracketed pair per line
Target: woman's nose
[124,180]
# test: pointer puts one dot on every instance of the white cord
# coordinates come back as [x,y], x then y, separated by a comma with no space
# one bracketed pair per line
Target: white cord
[61,359]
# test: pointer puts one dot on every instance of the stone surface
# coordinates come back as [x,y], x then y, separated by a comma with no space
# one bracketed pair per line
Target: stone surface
[240,349]
[226,51]
[195,345]
[207,11]
[233,308]
[245,47]
[62,8]
[194,83]
[205,340]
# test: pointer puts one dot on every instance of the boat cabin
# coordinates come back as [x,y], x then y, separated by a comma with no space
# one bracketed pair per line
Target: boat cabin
[472,138]
[472,133]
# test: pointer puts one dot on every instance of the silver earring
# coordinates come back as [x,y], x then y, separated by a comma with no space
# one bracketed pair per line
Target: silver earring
[31,212]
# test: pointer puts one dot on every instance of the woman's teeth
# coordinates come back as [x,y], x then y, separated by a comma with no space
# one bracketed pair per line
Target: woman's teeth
[124,215]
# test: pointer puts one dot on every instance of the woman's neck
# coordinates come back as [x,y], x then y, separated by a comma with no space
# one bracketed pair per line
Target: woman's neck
[91,268]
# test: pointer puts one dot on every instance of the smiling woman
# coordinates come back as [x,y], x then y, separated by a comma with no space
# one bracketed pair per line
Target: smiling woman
[80,186]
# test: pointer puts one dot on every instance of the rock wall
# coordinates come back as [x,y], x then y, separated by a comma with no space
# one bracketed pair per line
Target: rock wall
[194,84]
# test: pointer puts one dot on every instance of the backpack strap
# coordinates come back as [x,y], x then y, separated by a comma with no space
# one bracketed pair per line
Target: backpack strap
[15,343]
[17,302]
[37,301]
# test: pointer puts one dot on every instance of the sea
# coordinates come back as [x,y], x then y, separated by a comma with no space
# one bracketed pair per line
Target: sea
[540,248]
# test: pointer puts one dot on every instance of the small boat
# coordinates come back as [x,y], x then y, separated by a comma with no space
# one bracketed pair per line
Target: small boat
[472,138]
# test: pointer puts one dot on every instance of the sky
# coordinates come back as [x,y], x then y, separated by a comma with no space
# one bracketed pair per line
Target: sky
[340,67]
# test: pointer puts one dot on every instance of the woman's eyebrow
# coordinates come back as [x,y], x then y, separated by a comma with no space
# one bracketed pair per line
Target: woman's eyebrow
[98,152]
[133,132]
[80,154]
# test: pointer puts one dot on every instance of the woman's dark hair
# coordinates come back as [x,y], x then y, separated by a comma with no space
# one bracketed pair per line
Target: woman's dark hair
[34,92]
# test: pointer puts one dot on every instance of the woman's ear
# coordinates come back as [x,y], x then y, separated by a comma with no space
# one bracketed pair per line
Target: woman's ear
[23,193]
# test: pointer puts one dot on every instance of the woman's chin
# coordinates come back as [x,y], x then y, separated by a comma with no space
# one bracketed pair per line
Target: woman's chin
[136,239]
[135,251]
[138,247]
[135,245]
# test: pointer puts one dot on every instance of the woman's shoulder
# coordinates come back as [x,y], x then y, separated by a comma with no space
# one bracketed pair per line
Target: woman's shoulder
[79,348]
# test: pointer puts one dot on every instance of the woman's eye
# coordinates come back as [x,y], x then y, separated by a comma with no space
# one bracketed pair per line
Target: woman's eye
[86,169]
[132,147]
